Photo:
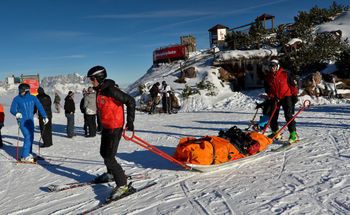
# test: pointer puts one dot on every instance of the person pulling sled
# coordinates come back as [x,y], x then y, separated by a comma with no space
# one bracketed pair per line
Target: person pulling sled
[110,106]
[282,90]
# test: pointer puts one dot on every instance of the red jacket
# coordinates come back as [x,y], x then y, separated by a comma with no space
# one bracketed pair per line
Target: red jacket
[110,105]
[2,115]
[279,85]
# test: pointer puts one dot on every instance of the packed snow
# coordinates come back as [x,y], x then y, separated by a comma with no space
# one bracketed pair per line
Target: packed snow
[310,178]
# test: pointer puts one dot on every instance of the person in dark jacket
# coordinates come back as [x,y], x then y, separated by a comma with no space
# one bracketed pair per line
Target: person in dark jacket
[69,110]
[2,119]
[154,92]
[282,90]
[46,130]
[82,110]
[110,105]
[57,102]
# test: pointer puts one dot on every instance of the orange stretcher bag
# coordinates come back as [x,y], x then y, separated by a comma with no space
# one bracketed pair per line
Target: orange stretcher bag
[208,150]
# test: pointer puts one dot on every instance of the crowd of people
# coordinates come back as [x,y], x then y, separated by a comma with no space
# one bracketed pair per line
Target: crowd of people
[103,104]
[161,92]
[103,108]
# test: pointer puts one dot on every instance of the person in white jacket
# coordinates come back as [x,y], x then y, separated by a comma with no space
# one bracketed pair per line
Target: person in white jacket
[90,111]
[166,90]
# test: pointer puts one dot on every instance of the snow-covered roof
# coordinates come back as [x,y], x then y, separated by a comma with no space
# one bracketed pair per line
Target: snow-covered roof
[294,40]
[246,54]
[341,22]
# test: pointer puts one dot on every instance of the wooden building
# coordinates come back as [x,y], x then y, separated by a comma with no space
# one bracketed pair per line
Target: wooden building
[217,36]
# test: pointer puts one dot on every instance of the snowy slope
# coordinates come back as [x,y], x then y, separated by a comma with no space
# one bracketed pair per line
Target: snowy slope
[312,178]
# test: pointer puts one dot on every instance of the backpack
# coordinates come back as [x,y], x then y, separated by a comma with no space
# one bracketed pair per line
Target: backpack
[248,143]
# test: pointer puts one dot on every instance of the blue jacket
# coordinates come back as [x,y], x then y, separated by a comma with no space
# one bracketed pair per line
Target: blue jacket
[25,105]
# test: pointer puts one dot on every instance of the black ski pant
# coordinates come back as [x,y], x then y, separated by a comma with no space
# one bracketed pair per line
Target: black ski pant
[166,104]
[109,145]
[154,104]
[99,125]
[288,108]
[1,144]
[46,131]
[70,125]
[91,125]
[85,125]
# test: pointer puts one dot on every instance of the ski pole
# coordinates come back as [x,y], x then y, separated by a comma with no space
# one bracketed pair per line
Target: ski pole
[273,113]
[152,148]
[306,104]
[252,121]
[17,146]
[41,137]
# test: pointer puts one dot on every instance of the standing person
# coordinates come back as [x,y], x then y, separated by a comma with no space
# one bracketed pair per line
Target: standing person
[99,124]
[282,90]
[90,111]
[83,111]
[46,130]
[2,119]
[69,110]
[166,90]
[22,108]
[110,105]
[57,102]
[154,91]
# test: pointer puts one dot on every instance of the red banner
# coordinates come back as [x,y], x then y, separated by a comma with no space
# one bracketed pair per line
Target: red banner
[34,85]
[173,52]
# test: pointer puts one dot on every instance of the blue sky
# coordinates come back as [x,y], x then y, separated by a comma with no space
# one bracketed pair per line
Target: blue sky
[53,37]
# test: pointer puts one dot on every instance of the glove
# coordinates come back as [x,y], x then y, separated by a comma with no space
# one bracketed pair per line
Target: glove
[130,126]
[45,120]
[18,116]
[259,105]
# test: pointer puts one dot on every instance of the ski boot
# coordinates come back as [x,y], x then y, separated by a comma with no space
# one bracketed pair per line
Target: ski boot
[259,126]
[28,159]
[121,191]
[278,137]
[293,137]
[104,178]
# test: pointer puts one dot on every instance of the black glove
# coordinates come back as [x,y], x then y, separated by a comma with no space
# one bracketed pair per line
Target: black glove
[259,105]
[130,126]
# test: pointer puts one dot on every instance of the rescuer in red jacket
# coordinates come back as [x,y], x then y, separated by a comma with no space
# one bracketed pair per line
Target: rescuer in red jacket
[110,107]
[282,90]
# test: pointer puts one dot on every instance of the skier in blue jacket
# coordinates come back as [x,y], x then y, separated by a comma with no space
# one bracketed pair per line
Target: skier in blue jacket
[22,108]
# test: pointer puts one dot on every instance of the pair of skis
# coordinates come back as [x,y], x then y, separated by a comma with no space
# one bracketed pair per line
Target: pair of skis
[62,187]
[38,160]
[132,190]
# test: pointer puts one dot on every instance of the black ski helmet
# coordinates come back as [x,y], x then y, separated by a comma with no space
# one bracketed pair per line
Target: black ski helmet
[23,88]
[98,72]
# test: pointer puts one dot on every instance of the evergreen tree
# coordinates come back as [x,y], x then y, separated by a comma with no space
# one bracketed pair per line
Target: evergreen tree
[344,64]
